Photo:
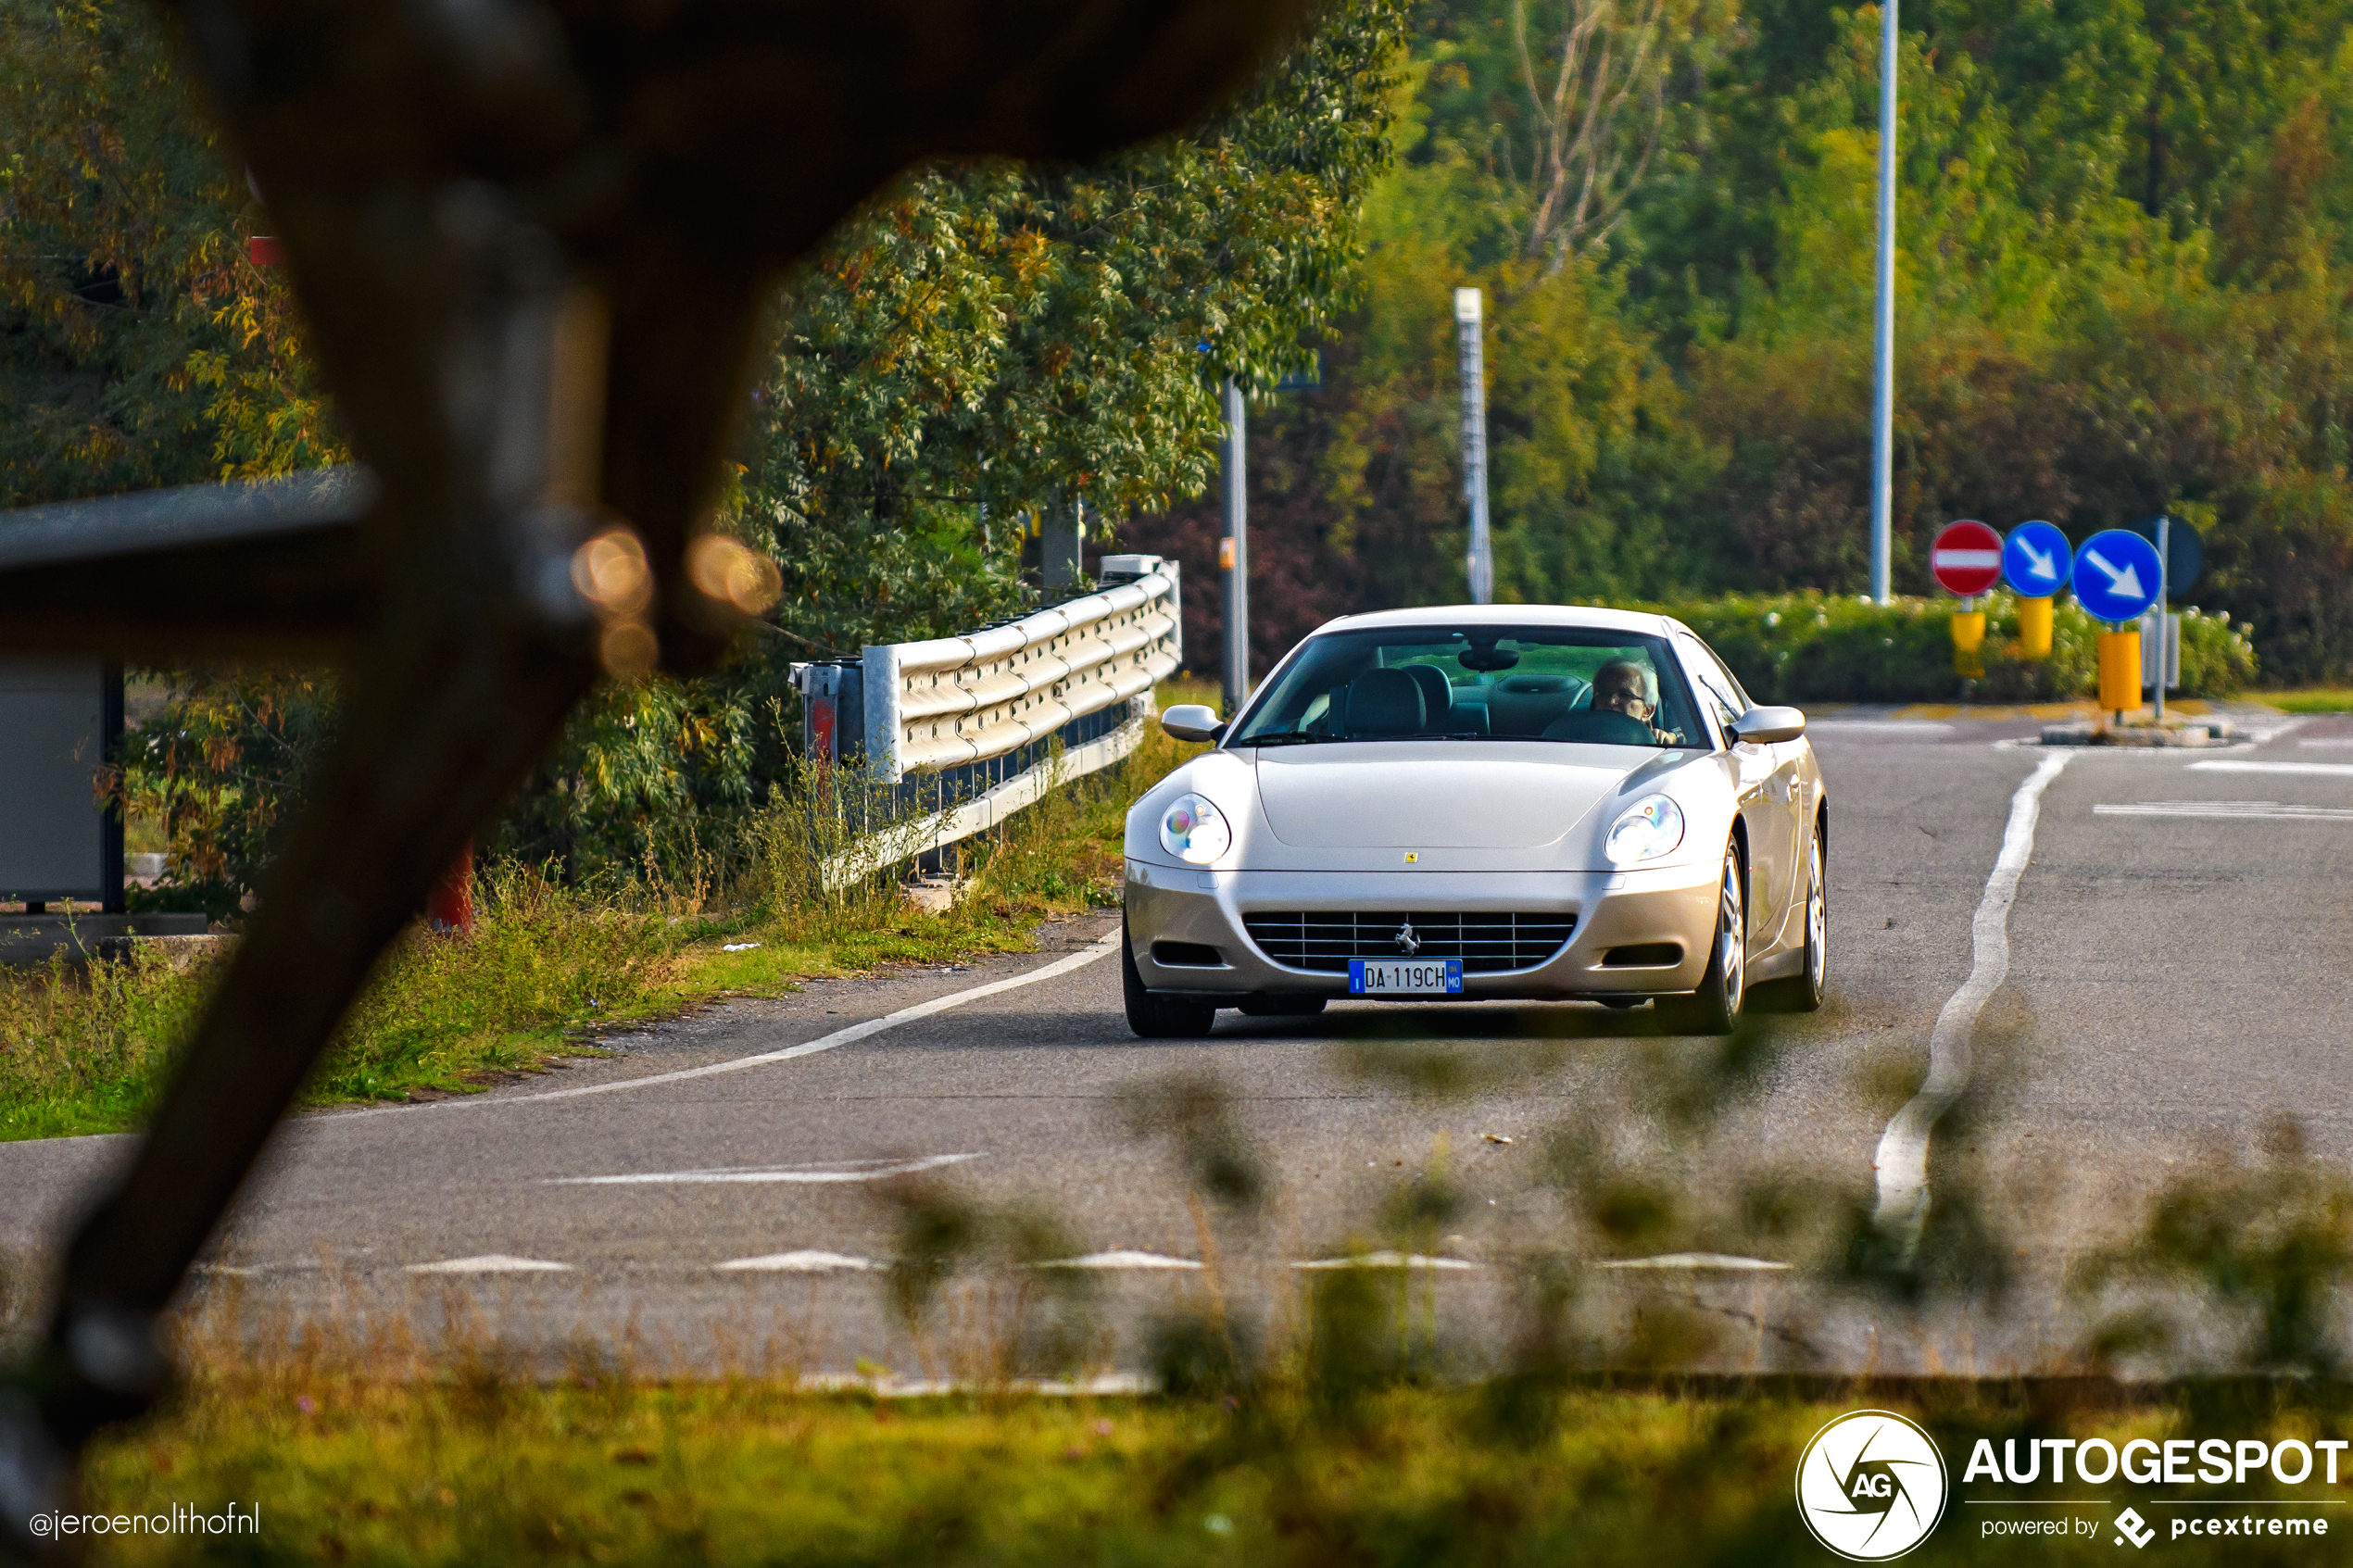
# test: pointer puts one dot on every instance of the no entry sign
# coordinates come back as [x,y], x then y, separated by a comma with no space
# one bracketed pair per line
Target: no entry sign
[1967,559]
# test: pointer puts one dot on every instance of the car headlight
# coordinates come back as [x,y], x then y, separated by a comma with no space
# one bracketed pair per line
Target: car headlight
[1649,828]
[1194,831]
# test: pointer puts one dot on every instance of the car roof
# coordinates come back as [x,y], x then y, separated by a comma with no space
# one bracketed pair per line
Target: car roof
[1592,617]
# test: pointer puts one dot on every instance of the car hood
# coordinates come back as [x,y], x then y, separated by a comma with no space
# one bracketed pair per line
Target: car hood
[1436,795]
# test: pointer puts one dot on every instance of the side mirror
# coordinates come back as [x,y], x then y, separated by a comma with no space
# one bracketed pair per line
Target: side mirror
[1191,721]
[1763,726]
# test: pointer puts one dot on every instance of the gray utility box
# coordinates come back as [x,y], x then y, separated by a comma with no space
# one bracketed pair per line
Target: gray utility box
[58,718]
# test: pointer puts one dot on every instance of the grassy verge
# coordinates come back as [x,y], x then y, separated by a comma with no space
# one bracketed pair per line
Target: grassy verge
[2316,699]
[474,1469]
[89,1051]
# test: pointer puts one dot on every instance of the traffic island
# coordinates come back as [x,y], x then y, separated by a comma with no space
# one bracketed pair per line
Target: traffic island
[2173,732]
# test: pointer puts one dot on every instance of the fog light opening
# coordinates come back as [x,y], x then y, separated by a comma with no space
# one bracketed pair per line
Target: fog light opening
[1644,955]
[1186,955]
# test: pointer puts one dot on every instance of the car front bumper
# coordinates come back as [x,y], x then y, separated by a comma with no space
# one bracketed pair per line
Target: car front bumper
[1647,908]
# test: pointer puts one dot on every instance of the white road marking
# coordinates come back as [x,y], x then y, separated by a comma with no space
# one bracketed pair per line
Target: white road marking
[1122,1258]
[846,1171]
[1386,1261]
[855,1033]
[1902,1161]
[2333,742]
[491,1263]
[1109,1383]
[2231,810]
[809,1262]
[2324,770]
[1724,1260]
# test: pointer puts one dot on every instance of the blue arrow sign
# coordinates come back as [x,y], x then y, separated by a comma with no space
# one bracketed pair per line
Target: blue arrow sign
[2116,576]
[2036,559]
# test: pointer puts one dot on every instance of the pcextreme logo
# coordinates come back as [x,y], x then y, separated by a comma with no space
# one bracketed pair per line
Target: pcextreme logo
[1872,1486]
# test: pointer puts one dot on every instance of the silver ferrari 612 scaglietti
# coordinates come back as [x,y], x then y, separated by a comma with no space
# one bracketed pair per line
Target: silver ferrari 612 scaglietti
[1482,801]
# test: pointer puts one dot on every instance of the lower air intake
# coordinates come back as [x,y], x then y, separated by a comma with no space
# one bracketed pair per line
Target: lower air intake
[1324,940]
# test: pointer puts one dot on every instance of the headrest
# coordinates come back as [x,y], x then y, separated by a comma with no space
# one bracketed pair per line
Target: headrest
[1438,692]
[1385,702]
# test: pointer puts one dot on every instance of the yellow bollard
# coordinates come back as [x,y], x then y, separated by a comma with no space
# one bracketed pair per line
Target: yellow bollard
[2034,628]
[2120,671]
[1968,642]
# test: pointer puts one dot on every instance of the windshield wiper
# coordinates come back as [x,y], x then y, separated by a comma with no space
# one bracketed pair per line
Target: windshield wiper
[1291,737]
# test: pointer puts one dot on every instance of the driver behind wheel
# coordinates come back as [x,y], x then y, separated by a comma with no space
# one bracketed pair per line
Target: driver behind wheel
[1624,686]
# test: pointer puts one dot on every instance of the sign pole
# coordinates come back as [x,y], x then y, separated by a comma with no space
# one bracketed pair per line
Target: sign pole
[1883,328]
[2162,522]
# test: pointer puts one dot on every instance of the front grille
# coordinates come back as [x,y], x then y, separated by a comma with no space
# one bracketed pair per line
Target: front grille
[1325,940]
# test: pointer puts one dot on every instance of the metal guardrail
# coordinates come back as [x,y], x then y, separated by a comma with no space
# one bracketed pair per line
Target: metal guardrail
[970,728]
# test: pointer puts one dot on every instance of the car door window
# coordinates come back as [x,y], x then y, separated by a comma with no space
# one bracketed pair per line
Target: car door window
[1718,692]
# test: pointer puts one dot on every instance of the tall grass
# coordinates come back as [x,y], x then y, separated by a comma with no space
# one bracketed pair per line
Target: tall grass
[89,1049]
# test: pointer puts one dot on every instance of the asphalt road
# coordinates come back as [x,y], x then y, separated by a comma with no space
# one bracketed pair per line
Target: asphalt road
[2180,978]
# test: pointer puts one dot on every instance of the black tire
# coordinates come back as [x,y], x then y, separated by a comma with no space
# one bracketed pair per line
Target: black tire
[1155,1016]
[1715,1008]
[1807,990]
[1283,1006]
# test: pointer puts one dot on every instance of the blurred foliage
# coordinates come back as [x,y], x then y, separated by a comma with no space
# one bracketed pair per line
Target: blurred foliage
[2238,1265]
[497,1465]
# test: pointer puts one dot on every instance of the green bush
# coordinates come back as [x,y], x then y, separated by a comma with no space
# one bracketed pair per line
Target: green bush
[1825,647]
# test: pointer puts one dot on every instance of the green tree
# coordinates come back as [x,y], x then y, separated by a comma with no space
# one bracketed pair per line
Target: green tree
[991,343]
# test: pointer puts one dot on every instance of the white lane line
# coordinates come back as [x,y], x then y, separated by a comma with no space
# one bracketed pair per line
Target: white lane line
[1697,1261]
[1902,1161]
[855,1033]
[1125,1257]
[1114,1384]
[809,1262]
[2335,743]
[2228,811]
[849,1170]
[2324,770]
[1386,1261]
[491,1263]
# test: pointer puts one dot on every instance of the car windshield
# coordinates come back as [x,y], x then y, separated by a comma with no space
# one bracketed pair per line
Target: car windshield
[1509,683]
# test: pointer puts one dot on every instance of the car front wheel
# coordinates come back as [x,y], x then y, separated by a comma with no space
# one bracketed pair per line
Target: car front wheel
[1716,1006]
[1155,1016]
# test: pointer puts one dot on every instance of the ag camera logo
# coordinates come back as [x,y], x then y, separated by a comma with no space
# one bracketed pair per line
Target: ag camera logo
[1872,1486]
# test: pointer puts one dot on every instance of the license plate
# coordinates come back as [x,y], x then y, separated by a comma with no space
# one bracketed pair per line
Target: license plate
[1404,977]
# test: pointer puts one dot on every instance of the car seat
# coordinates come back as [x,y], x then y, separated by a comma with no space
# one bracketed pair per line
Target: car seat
[1384,702]
[1523,705]
[1438,694]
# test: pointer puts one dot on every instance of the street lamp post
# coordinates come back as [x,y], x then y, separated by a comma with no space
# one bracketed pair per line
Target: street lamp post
[1883,394]
[1233,555]
[1479,561]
